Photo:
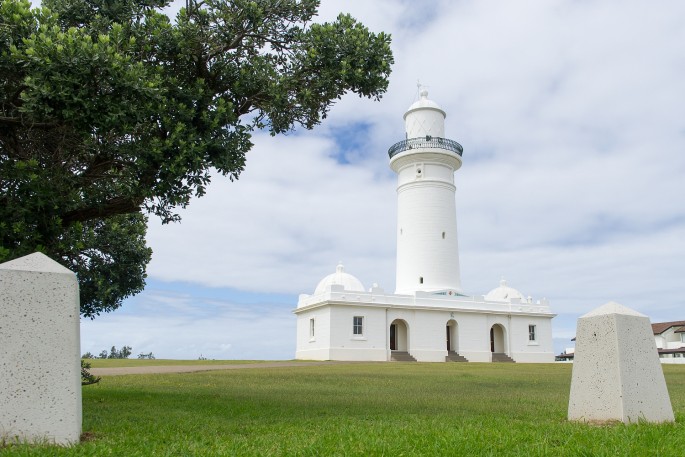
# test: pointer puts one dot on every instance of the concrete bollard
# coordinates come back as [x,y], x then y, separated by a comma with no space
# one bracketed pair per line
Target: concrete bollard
[40,368]
[616,371]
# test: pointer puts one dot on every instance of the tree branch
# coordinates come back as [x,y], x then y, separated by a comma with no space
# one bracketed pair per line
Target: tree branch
[20,121]
[117,205]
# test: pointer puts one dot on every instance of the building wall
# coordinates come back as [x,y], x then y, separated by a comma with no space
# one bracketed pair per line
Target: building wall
[426,333]
[370,346]
[669,339]
[659,340]
[525,351]
[678,359]
[473,336]
[426,336]
[318,347]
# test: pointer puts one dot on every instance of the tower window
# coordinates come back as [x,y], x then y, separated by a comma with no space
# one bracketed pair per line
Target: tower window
[443,235]
[311,328]
[420,279]
[531,333]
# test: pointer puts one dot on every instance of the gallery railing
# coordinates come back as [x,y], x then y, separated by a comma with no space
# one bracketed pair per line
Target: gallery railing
[425,142]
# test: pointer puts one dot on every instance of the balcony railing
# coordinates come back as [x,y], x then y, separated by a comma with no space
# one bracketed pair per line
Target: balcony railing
[427,142]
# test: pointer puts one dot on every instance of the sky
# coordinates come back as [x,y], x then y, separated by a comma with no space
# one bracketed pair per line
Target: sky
[572,119]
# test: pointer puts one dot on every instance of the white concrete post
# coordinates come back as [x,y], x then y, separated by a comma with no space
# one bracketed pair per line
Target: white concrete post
[40,382]
[616,371]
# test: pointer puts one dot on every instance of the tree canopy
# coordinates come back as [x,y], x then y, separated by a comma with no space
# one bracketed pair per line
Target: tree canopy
[110,112]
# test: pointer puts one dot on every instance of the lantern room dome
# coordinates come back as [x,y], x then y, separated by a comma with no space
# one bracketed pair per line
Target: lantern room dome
[424,103]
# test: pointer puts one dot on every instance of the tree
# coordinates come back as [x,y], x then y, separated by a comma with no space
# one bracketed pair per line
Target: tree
[110,112]
[122,353]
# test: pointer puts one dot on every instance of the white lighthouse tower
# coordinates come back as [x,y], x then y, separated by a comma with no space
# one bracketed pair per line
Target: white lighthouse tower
[428,318]
[425,162]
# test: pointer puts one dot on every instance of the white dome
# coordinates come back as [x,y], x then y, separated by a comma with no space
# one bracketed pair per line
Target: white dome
[504,293]
[424,103]
[346,280]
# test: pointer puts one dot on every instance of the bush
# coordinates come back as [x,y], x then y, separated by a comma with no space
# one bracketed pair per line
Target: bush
[86,377]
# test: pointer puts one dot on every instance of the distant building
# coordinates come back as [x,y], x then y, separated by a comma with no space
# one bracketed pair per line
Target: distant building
[669,338]
[566,356]
[428,317]
[670,341]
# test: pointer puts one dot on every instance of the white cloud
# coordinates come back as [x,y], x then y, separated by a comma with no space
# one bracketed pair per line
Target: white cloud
[175,324]
[571,118]
[291,217]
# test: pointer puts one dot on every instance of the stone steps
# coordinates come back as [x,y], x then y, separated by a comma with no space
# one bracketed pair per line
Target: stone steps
[401,356]
[500,357]
[455,357]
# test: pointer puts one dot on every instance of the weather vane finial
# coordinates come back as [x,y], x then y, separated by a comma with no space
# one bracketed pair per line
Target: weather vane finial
[421,89]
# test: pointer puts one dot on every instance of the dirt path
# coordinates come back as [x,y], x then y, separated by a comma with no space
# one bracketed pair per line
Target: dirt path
[117,371]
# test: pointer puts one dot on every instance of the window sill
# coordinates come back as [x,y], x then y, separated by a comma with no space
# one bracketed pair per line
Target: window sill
[358,338]
[533,343]
[312,340]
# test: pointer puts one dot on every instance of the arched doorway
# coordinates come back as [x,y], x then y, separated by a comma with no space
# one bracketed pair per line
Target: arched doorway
[399,335]
[497,339]
[452,336]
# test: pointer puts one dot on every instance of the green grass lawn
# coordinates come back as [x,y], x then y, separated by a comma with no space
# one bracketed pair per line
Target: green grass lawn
[391,409]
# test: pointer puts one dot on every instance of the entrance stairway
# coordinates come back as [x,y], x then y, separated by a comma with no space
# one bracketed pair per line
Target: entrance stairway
[500,357]
[401,356]
[455,357]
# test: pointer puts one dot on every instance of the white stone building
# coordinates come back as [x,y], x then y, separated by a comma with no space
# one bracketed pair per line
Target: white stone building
[670,341]
[428,317]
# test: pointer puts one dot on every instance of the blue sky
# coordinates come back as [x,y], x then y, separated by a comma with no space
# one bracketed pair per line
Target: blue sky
[572,121]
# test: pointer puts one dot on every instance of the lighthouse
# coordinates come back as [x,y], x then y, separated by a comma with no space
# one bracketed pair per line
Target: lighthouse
[428,318]
[425,162]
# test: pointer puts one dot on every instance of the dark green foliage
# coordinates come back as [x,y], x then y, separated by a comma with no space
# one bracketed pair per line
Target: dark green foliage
[149,356]
[122,353]
[115,353]
[86,377]
[110,111]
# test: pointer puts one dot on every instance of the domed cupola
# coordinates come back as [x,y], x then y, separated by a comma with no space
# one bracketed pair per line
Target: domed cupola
[346,280]
[504,293]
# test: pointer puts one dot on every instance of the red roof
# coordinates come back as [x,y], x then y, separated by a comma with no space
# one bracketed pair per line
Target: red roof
[661,327]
